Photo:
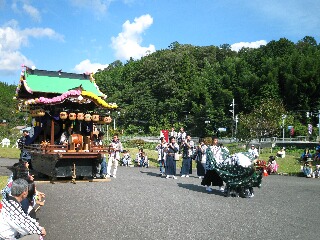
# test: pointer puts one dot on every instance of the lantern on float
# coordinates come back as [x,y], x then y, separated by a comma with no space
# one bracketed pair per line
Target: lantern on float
[33,113]
[72,116]
[87,117]
[80,116]
[41,112]
[107,120]
[95,118]
[101,120]
[63,116]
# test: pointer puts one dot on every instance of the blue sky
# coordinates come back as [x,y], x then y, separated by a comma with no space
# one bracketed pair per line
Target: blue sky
[85,35]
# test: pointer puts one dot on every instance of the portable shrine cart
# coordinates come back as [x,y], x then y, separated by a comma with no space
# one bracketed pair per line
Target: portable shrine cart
[57,102]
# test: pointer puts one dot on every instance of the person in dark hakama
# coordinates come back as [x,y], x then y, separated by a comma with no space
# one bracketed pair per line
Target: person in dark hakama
[212,177]
[171,149]
[201,158]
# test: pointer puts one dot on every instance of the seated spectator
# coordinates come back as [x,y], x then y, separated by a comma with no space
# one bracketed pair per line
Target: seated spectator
[316,172]
[317,155]
[272,165]
[144,162]
[307,168]
[14,223]
[142,159]
[126,158]
[306,155]
[281,153]
[253,151]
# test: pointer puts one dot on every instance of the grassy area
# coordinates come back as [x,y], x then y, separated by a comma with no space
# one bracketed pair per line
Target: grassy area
[9,152]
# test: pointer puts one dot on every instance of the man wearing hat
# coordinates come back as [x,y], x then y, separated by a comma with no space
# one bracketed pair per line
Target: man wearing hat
[253,151]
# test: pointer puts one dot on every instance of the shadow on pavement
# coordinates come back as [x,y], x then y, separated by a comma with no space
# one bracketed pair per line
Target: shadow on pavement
[152,174]
[198,188]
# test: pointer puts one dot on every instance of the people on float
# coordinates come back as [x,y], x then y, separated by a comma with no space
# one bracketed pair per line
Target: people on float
[200,158]
[64,139]
[281,153]
[254,151]
[23,141]
[162,155]
[103,164]
[114,156]
[187,151]
[126,158]
[212,177]
[171,148]
[14,222]
[272,166]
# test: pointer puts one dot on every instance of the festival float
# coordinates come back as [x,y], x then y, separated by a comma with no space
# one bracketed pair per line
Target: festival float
[56,102]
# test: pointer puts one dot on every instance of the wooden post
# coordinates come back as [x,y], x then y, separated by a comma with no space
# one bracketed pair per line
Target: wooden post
[52,132]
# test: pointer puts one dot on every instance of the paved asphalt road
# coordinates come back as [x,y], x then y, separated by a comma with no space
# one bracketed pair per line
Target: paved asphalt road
[139,204]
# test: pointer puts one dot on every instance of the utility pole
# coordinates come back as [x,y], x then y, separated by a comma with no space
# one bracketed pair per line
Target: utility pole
[319,124]
[232,105]
[283,118]
[236,120]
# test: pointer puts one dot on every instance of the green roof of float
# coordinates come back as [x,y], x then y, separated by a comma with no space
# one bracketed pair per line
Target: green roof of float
[59,84]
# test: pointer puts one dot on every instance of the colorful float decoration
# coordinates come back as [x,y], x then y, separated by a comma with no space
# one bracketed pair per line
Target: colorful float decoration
[56,99]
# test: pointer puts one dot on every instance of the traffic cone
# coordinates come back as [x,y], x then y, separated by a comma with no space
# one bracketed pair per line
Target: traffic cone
[265,173]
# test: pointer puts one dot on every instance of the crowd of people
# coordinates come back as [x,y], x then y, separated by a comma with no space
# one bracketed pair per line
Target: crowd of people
[21,194]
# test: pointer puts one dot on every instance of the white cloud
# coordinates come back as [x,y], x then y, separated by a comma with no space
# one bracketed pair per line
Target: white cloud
[128,43]
[24,6]
[98,6]
[257,44]
[32,11]
[42,32]
[87,66]
[12,39]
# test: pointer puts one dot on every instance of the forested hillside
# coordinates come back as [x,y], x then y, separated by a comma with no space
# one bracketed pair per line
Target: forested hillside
[186,85]
[189,86]
[8,107]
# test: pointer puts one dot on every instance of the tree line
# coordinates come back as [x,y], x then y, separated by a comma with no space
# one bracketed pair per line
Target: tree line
[193,87]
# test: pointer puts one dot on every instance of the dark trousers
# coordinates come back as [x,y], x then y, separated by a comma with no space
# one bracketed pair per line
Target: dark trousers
[186,163]
[212,178]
